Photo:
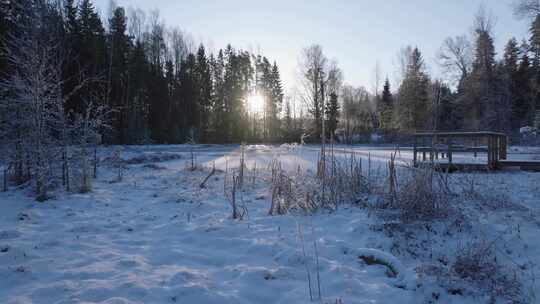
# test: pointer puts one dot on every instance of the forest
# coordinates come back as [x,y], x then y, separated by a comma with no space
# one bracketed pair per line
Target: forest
[154,84]
[141,165]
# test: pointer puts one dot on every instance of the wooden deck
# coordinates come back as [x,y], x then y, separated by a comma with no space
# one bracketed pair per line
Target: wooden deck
[440,148]
[533,166]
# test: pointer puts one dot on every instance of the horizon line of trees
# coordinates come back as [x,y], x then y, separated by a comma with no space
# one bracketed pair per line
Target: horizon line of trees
[480,92]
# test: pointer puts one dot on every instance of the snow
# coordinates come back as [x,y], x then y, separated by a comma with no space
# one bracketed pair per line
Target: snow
[404,276]
[157,237]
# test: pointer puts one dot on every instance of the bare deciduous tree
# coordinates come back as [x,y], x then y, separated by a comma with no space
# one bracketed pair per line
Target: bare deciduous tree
[137,21]
[401,64]
[38,132]
[376,78]
[484,21]
[34,106]
[313,68]
[455,57]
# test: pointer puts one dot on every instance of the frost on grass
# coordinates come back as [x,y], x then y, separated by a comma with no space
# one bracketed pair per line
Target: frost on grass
[338,182]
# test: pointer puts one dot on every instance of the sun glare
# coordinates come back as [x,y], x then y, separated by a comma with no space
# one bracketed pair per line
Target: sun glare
[255,103]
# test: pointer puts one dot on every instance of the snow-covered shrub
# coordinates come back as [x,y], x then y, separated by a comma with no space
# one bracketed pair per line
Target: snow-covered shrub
[118,164]
[529,135]
[284,192]
[343,182]
[239,211]
[478,268]
[338,181]
[422,195]
[150,158]
[79,172]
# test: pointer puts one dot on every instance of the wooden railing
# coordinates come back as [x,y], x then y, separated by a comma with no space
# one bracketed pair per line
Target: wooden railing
[446,144]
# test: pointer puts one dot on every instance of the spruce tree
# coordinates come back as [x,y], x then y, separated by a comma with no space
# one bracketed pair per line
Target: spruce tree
[332,115]
[481,84]
[119,46]
[189,95]
[92,52]
[218,102]
[386,107]
[276,98]
[138,94]
[535,49]
[413,95]
[512,80]
[204,87]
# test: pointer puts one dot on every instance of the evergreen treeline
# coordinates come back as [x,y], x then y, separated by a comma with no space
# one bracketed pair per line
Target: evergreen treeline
[490,93]
[161,89]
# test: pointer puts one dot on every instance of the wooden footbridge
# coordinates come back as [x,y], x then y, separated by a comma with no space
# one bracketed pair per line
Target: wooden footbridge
[447,150]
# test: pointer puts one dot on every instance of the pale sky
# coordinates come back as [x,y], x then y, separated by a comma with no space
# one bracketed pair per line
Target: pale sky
[357,33]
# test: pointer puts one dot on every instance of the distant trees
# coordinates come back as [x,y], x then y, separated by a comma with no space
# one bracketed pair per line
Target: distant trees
[386,107]
[357,110]
[313,67]
[67,84]
[332,115]
[162,89]
[455,57]
[40,136]
[479,90]
[413,100]
[320,80]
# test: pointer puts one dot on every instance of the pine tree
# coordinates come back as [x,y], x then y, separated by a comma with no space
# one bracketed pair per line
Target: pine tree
[72,67]
[71,22]
[288,126]
[413,95]
[535,49]
[218,102]
[524,106]
[204,86]
[332,115]
[276,99]
[119,48]
[512,80]
[92,52]
[138,95]
[386,107]
[480,93]
[189,94]
[449,115]
[534,42]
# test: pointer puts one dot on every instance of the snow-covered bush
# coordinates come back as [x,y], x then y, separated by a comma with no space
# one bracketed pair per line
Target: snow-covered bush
[338,181]
[422,195]
[529,135]
[478,268]
[290,191]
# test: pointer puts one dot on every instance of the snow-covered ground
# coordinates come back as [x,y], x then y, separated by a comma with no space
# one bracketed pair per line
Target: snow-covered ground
[158,237]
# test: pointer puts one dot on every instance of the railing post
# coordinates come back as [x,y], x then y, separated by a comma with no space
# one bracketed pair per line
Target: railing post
[490,152]
[449,154]
[414,152]
[504,147]
[498,144]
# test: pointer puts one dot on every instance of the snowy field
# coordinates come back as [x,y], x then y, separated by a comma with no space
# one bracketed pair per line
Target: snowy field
[156,236]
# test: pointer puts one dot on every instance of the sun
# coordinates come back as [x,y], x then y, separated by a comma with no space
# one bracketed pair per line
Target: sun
[255,103]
